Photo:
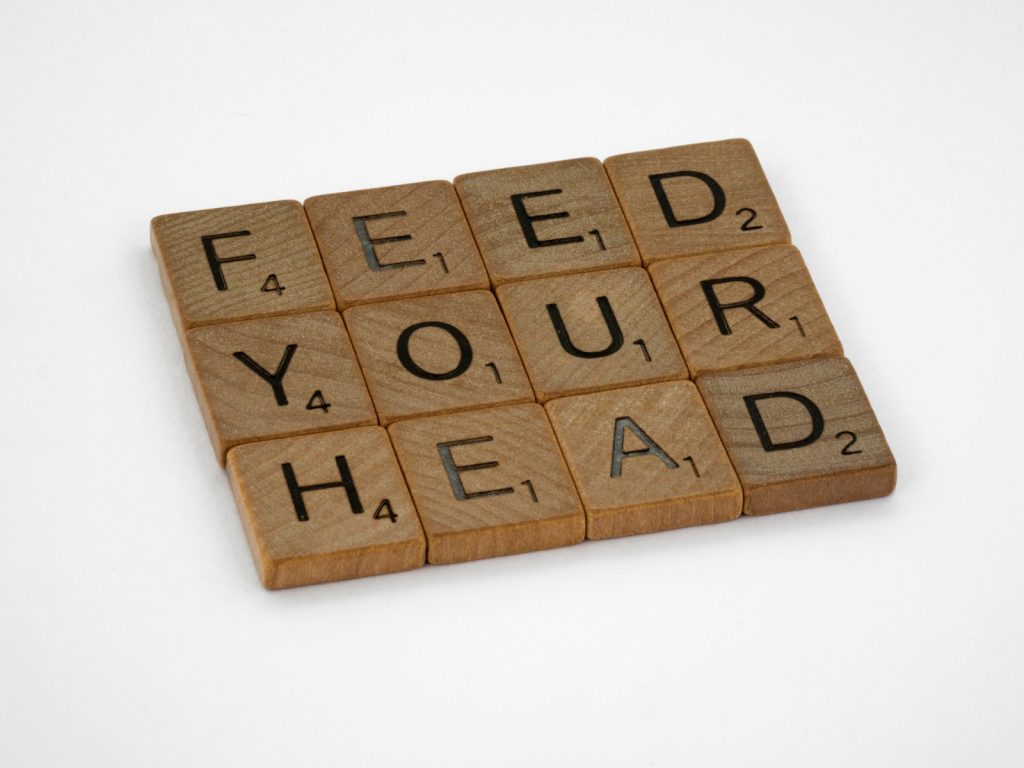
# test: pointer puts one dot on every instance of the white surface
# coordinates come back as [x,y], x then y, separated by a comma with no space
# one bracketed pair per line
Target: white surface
[133,629]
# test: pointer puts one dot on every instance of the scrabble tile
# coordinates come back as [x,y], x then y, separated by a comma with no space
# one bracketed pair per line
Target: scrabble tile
[395,242]
[800,435]
[546,219]
[645,459]
[586,332]
[325,507]
[239,263]
[489,482]
[698,198]
[437,354]
[744,308]
[276,376]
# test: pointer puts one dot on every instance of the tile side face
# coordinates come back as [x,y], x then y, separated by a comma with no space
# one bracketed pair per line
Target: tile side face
[546,219]
[698,198]
[239,263]
[489,482]
[325,507]
[395,242]
[744,308]
[646,459]
[800,435]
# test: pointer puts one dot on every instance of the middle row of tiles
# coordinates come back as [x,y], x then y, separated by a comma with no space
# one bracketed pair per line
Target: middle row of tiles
[550,337]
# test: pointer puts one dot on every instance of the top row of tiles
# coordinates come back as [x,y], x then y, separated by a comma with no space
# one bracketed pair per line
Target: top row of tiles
[489,228]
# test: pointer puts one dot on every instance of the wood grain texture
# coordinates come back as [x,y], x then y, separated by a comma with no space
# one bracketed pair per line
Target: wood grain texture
[710,193]
[568,221]
[793,459]
[349,531]
[314,387]
[632,345]
[744,308]
[395,242]
[645,459]
[458,355]
[258,260]
[506,488]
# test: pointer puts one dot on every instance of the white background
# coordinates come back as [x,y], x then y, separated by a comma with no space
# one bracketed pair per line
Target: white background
[133,629]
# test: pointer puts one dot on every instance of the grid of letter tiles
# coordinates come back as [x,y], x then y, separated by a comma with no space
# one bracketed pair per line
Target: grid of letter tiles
[528,357]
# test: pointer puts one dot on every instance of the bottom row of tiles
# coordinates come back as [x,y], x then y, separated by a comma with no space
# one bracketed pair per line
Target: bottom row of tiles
[498,481]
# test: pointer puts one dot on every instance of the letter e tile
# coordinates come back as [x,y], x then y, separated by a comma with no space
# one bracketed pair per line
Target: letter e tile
[489,482]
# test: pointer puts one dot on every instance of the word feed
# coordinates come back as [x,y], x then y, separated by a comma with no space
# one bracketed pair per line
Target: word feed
[438,372]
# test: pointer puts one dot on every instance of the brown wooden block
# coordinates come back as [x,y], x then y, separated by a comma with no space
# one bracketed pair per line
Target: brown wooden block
[325,507]
[238,263]
[437,354]
[546,219]
[276,376]
[744,308]
[800,435]
[586,332]
[489,482]
[645,459]
[698,198]
[395,242]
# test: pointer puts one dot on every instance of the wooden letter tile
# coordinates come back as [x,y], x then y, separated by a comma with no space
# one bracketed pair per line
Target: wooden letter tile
[276,376]
[239,263]
[437,354]
[325,507]
[546,219]
[591,331]
[489,482]
[696,199]
[800,435]
[744,308]
[395,242]
[646,459]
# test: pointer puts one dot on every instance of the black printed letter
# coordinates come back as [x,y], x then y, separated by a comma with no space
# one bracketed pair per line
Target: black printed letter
[215,261]
[453,470]
[718,309]
[346,482]
[465,351]
[717,193]
[623,423]
[609,319]
[368,242]
[817,420]
[526,220]
[275,379]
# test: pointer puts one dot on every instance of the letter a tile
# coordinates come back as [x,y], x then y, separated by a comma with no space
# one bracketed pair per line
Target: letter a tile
[646,459]
[695,199]
[276,376]
[325,507]
[395,242]
[546,219]
[744,308]
[489,482]
[800,435]
[238,263]
[591,331]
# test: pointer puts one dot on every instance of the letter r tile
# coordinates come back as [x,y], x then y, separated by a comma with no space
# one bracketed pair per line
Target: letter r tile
[546,219]
[800,435]
[395,242]
[239,263]
[489,482]
[325,507]
[695,199]
[276,376]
